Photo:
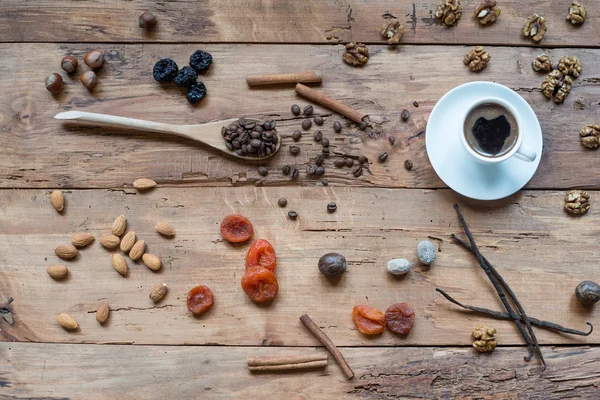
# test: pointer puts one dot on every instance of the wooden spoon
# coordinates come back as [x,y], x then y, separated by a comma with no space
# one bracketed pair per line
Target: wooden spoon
[209,133]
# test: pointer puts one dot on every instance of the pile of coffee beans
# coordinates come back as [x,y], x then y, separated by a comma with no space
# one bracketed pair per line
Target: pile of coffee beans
[251,138]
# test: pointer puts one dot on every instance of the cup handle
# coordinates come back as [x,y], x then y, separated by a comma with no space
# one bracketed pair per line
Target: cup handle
[525,153]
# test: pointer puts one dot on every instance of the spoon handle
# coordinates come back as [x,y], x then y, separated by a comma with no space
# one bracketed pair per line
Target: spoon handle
[119,122]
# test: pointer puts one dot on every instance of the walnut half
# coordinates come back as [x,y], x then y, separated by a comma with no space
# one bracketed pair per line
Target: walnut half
[542,63]
[487,12]
[477,59]
[486,342]
[570,66]
[577,202]
[558,85]
[357,54]
[448,11]
[392,31]
[590,136]
[577,13]
[535,27]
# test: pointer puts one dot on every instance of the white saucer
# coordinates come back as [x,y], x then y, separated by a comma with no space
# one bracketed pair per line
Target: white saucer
[456,167]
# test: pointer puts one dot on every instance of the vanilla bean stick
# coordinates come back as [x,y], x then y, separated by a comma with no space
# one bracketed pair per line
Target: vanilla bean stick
[319,334]
[332,104]
[294,77]
[286,363]
[504,316]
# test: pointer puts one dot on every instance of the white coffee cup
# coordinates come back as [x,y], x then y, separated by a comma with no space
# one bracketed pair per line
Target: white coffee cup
[519,150]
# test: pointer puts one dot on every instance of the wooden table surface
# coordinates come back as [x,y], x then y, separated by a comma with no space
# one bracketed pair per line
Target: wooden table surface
[161,351]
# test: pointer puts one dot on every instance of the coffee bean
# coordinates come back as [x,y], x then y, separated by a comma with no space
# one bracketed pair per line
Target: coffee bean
[306,124]
[295,109]
[295,173]
[325,142]
[310,169]
[383,156]
[249,126]
[337,126]
[286,169]
[318,120]
[318,135]
[331,207]
[320,171]
[240,152]
[282,202]
[273,123]
[392,140]
[242,121]
[262,170]
[308,110]
[325,151]
[349,162]
[259,129]
[229,146]
[325,182]
[293,214]
[296,135]
[408,165]
[295,150]
[339,163]
[256,143]
[362,159]
[358,171]
[319,159]
[405,114]
[267,126]
[363,126]
[255,135]
[416,103]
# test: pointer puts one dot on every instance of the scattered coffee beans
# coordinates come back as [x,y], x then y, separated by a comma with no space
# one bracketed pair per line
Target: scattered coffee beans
[318,120]
[296,135]
[295,150]
[318,135]
[405,114]
[247,138]
[282,202]
[310,169]
[263,171]
[416,103]
[306,124]
[320,171]
[339,163]
[293,214]
[358,171]
[295,173]
[308,110]
[325,142]
[325,182]
[392,140]
[337,126]
[295,109]
[362,159]
[408,165]
[363,126]
[331,207]
[319,159]
[286,169]
[383,156]
[349,162]
[325,151]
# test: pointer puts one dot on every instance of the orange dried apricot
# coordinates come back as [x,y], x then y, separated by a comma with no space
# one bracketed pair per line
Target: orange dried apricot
[236,228]
[199,299]
[261,254]
[260,284]
[400,318]
[368,320]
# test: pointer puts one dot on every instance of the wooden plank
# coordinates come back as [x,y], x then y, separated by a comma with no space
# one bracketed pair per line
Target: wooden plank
[282,21]
[126,372]
[542,252]
[41,152]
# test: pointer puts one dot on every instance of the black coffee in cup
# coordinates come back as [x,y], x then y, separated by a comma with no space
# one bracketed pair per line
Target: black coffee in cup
[491,130]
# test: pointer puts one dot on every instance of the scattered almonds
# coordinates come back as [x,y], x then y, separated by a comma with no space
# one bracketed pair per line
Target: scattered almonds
[165,229]
[151,261]
[67,322]
[102,312]
[119,263]
[158,292]
[144,184]
[82,239]
[66,251]
[58,200]
[137,251]
[109,241]
[119,226]
[128,241]
[57,271]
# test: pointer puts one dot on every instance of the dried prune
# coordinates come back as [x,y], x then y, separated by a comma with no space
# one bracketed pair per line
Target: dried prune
[368,320]
[196,92]
[200,60]
[199,299]
[165,70]
[236,228]
[186,77]
[260,284]
[261,254]
[332,264]
[400,318]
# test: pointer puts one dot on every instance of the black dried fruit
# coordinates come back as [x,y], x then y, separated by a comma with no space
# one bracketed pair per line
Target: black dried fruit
[282,202]
[286,169]
[196,92]
[337,126]
[332,264]
[200,60]
[186,77]
[165,70]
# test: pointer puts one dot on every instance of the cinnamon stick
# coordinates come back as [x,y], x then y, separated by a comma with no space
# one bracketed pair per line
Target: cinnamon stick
[319,334]
[294,77]
[286,363]
[326,101]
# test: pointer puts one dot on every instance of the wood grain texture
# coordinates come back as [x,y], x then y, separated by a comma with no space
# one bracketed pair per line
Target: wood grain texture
[41,152]
[541,251]
[283,21]
[156,372]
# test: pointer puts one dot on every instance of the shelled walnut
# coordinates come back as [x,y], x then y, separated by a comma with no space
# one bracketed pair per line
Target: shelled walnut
[535,27]
[577,202]
[590,136]
[486,342]
[487,12]
[392,31]
[357,54]
[542,63]
[577,13]
[448,11]
[558,85]
[477,59]
[570,66]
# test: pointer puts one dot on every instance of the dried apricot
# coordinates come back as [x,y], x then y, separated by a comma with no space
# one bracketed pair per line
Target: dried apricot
[260,284]
[400,318]
[199,299]
[261,254]
[368,320]
[236,228]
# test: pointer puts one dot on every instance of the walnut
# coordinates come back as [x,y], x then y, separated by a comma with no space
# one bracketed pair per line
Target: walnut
[577,13]
[392,31]
[535,27]
[558,85]
[577,202]
[486,342]
[570,66]
[542,63]
[448,11]
[487,12]
[357,54]
[590,136]
[477,59]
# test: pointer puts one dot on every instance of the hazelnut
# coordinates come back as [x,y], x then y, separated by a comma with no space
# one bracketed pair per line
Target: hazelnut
[94,58]
[54,83]
[89,79]
[69,64]
[148,20]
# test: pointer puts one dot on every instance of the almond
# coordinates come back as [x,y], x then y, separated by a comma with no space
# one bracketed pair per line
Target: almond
[151,261]
[165,229]
[128,241]
[158,292]
[109,241]
[82,239]
[118,227]
[143,184]
[137,251]
[102,312]
[57,271]
[67,322]
[58,200]
[118,261]
[66,251]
